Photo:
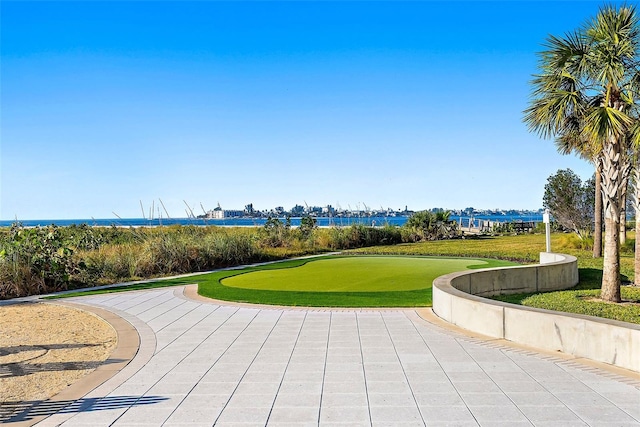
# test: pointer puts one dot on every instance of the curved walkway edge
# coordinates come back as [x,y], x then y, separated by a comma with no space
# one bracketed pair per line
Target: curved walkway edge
[458,299]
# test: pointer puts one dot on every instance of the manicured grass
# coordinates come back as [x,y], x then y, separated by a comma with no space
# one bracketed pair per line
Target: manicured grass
[583,301]
[212,284]
[523,248]
[354,274]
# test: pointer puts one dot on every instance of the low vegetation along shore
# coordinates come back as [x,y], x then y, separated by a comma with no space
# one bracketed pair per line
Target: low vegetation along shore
[41,260]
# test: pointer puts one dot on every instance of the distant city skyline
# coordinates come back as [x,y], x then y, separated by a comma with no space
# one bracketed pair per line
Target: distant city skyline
[106,104]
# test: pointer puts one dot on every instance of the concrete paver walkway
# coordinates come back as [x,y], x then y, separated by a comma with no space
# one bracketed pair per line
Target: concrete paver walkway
[204,364]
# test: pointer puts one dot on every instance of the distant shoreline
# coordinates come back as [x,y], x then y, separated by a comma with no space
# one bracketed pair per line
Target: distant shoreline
[258,222]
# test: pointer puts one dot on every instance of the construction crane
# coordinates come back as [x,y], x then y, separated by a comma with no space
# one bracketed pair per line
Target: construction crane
[142,209]
[189,210]
[204,218]
[165,209]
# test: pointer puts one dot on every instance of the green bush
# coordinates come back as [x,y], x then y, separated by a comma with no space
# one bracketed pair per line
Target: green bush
[573,241]
[34,260]
[308,225]
[425,225]
[276,233]
[628,247]
[228,249]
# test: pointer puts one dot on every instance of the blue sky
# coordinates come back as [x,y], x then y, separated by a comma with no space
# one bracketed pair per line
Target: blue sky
[104,104]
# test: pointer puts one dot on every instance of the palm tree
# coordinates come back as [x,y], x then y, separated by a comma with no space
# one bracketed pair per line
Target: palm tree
[572,140]
[591,74]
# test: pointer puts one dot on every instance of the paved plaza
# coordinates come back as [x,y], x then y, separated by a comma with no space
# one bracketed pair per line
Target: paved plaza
[206,363]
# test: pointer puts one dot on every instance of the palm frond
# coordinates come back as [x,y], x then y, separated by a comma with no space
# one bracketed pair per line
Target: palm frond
[547,115]
[605,121]
[634,134]
[588,82]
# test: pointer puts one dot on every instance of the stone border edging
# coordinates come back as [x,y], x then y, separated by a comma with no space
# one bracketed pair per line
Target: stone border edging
[457,299]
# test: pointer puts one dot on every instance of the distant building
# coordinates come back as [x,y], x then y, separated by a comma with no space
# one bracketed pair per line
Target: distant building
[328,210]
[219,213]
[297,210]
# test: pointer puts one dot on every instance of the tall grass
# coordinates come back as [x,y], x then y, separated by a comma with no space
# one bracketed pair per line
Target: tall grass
[357,236]
[169,251]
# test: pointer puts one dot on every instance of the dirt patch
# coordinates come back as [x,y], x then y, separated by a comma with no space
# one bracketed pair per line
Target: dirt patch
[46,347]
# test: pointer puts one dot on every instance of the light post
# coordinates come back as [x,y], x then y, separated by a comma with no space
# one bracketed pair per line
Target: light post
[547,222]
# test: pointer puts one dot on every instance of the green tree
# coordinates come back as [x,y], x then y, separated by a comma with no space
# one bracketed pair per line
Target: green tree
[275,233]
[572,141]
[570,202]
[591,75]
[307,225]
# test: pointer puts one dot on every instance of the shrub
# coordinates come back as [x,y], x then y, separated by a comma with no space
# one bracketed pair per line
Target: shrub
[628,247]
[308,225]
[425,225]
[112,263]
[573,241]
[226,249]
[34,260]
[275,233]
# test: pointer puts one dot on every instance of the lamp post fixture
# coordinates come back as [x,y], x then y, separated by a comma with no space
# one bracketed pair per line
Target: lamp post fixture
[547,222]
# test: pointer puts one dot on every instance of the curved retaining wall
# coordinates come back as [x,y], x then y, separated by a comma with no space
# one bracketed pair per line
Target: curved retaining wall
[457,298]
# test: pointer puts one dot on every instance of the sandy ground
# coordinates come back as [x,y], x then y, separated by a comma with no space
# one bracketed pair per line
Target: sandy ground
[46,347]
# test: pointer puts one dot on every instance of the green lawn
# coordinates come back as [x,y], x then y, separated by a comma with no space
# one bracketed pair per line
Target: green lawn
[354,274]
[330,280]
[583,301]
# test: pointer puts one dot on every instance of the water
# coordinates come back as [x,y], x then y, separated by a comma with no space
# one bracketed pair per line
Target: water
[258,222]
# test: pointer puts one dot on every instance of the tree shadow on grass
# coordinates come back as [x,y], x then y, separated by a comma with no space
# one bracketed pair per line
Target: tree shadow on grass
[12,412]
[591,278]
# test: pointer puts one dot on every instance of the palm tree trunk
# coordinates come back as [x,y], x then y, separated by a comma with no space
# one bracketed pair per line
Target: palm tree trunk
[623,223]
[611,191]
[626,167]
[623,211]
[597,234]
[636,276]
[636,207]
[611,269]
